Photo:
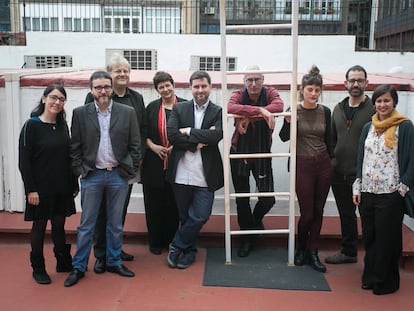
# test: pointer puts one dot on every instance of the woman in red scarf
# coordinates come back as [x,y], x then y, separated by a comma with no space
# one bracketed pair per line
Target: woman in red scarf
[160,208]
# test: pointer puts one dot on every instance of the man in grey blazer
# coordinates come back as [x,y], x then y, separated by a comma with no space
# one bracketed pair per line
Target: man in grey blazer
[105,153]
[195,167]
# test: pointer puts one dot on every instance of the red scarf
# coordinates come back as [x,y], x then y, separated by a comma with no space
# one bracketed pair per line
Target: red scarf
[162,130]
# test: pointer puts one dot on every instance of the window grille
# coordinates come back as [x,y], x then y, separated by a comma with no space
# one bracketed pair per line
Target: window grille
[211,63]
[47,61]
[138,59]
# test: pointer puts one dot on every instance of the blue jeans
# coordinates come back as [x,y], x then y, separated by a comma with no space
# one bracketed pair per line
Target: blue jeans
[194,209]
[92,188]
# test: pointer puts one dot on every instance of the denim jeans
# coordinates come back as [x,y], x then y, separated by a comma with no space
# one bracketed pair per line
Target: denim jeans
[194,209]
[92,188]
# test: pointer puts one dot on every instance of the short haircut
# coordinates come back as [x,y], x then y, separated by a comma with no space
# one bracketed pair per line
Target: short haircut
[162,76]
[98,75]
[117,59]
[200,74]
[356,68]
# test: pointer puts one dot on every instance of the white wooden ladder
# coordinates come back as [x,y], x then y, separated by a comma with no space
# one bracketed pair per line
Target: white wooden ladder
[293,26]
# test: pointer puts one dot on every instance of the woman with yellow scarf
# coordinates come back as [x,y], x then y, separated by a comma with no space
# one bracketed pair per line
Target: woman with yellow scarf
[385,173]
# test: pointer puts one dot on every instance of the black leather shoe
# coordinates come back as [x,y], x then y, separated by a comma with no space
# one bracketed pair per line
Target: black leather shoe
[120,270]
[245,248]
[126,256]
[74,277]
[100,265]
[315,263]
[367,286]
[155,250]
[300,257]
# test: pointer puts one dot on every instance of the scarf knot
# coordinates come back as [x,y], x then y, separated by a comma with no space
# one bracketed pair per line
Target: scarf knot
[388,126]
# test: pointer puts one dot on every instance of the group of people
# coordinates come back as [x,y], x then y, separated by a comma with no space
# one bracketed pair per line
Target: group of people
[171,147]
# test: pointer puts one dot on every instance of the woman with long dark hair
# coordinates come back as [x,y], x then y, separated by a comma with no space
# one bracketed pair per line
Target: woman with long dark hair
[50,187]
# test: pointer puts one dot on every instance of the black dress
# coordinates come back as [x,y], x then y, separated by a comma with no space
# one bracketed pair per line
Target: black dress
[44,164]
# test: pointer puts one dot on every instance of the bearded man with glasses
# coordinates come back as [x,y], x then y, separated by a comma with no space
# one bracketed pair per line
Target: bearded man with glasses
[348,118]
[105,153]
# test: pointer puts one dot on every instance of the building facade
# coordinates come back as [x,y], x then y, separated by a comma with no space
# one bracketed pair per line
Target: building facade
[376,24]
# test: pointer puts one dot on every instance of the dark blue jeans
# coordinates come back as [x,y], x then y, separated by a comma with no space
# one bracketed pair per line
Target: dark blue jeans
[194,209]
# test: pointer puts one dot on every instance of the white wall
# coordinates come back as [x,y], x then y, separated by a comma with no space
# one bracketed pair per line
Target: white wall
[330,53]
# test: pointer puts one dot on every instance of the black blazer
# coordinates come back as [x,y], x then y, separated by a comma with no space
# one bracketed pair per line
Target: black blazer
[182,116]
[124,134]
[152,171]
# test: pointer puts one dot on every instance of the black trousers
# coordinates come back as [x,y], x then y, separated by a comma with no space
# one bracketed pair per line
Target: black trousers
[246,218]
[342,190]
[161,214]
[381,216]
[99,247]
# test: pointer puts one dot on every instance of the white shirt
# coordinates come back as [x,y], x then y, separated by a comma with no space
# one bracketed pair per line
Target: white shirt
[190,170]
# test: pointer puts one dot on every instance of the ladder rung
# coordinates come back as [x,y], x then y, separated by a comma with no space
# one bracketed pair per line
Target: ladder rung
[259,26]
[268,231]
[258,155]
[276,114]
[259,194]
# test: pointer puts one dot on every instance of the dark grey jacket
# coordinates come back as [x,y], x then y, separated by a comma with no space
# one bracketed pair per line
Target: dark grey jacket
[124,134]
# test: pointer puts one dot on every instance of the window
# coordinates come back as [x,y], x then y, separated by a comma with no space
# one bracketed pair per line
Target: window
[77,24]
[108,24]
[96,24]
[86,24]
[36,24]
[47,61]
[135,25]
[67,24]
[117,24]
[125,25]
[211,63]
[27,24]
[138,59]
[45,24]
[54,23]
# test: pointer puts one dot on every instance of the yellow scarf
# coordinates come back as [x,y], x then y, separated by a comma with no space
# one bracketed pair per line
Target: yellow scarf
[388,126]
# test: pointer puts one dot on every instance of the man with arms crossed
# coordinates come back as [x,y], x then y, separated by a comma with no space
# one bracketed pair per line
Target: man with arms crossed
[195,167]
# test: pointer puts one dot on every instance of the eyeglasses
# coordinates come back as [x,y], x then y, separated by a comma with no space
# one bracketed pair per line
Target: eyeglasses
[255,80]
[56,99]
[359,81]
[101,88]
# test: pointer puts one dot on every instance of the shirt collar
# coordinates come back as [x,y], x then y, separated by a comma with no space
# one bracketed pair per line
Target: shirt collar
[202,107]
[109,108]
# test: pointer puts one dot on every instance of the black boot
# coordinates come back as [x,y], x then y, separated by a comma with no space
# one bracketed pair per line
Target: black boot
[300,257]
[39,271]
[63,259]
[315,263]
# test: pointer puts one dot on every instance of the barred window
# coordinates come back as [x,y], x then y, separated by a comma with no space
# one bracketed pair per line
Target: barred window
[138,59]
[211,63]
[47,61]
